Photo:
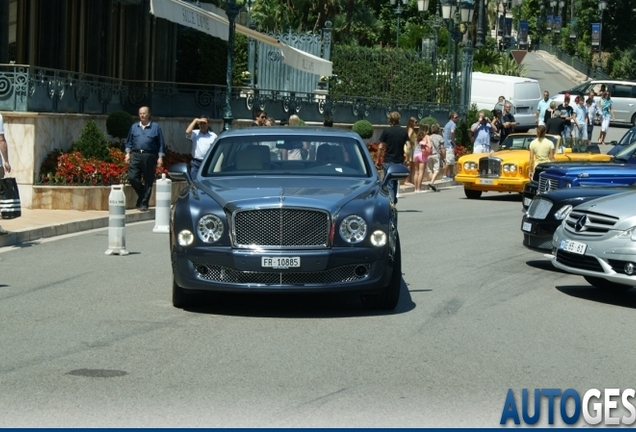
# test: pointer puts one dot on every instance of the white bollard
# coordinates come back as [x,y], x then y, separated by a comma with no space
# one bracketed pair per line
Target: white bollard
[163,196]
[116,221]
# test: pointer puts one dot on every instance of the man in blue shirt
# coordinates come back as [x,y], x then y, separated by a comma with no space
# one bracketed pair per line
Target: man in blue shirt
[145,150]
[449,145]
[542,106]
[481,130]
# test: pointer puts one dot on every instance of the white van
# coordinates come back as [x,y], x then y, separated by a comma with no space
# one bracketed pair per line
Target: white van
[523,93]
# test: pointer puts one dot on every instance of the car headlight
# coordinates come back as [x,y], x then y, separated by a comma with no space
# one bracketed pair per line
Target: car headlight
[210,228]
[470,166]
[353,229]
[378,238]
[185,238]
[563,212]
[567,184]
[628,234]
[510,167]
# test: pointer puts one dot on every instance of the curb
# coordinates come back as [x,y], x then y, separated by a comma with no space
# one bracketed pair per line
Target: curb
[14,238]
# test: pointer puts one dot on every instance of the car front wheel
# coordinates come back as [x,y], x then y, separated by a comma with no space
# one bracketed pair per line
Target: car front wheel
[390,295]
[472,194]
[601,283]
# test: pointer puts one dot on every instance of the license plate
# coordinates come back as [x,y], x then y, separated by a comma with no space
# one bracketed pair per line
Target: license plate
[573,246]
[486,181]
[527,202]
[522,110]
[527,226]
[280,262]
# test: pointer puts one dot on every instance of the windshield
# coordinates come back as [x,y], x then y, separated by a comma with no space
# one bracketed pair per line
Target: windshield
[627,153]
[286,155]
[522,142]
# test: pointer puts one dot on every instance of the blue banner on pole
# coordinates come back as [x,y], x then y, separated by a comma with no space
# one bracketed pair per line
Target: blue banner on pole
[596,36]
[557,24]
[523,34]
[549,22]
[573,30]
[502,25]
[508,26]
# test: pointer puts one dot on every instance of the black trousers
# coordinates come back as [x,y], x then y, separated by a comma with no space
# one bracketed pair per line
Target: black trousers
[141,175]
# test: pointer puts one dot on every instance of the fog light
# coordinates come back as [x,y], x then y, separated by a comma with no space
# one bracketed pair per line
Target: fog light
[185,238]
[378,238]
[629,269]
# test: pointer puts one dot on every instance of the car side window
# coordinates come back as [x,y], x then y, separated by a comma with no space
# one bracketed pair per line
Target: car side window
[622,90]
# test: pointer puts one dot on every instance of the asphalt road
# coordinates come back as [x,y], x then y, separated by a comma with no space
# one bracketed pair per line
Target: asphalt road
[549,73]
[93,340]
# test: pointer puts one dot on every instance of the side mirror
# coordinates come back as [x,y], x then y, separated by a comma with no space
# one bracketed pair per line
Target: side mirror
[180,172]
[395,172]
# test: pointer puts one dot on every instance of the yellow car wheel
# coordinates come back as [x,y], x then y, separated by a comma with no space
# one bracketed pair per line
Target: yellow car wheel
[472,194]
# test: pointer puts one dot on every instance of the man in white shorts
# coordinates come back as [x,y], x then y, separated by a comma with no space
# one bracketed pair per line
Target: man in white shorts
[449,145]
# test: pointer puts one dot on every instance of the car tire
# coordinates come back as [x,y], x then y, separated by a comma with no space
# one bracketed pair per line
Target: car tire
[472,194]
[389,297]
[181,298]
[601,283]
[633,120]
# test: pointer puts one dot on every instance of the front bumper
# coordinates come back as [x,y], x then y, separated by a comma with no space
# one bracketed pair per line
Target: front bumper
[359,269]
[529,192]
[501,184]
[537,234]
[607,261]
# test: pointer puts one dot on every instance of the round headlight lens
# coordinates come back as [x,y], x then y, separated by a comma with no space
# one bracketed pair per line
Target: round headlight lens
[185,238]
[470,166]
[378,238]
[353,229]
[210,228]
[563,212]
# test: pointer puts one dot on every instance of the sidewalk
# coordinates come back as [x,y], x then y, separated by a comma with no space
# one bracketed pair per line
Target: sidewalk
[38,224]
[35,224]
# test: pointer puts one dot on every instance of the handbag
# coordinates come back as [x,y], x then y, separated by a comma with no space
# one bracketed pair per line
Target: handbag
[10,207]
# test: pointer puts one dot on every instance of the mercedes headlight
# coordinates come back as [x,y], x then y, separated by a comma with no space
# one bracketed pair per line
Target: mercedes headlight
[210,228]
[353,229]
[628,234]
[563,212]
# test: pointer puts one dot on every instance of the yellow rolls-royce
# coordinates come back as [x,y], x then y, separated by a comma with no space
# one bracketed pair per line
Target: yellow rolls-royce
[507,170]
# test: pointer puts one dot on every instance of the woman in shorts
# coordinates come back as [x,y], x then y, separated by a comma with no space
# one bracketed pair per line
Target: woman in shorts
[420,156]
[607,114]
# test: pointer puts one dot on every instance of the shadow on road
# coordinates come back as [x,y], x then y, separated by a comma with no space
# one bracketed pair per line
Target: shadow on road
[545,264]
[294,305]
[498,196]
[587,292]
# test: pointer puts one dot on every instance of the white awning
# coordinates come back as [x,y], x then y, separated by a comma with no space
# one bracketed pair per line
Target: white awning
[187,14]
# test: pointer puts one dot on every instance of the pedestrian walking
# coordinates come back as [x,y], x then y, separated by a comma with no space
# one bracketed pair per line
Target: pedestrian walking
[580,120]
[567,114]
[542,107]
[549,113]
[482,130]
[420,156]
[607,114]
[409,150]
[449,145]
[259,118]
[555,125]
[392,141]
[145,149]
[590,120]
[434,163]
[5,166]
[202,138]
[497,126]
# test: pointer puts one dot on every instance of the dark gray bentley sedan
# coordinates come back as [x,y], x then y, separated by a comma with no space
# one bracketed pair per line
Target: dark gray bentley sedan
[287,209]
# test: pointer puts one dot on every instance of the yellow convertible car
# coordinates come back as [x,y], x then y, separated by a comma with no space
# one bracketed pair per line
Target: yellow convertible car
[507,170]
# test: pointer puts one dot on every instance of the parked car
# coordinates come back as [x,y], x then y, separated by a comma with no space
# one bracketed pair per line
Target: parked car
[627,156]
[623,94]
[507,170]
[620,145]
[523,94]
[319,223]
[598,241]
[547,211]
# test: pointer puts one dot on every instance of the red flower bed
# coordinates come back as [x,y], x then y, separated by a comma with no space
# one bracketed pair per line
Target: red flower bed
[73,168]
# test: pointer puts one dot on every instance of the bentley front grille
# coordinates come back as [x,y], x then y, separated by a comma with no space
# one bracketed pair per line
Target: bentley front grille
[281,228]
[589,223]
[338,275]
[489,167]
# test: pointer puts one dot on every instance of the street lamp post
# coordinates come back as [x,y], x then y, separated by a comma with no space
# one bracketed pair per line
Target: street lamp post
[602,5]
[457,17]
[480,24]
[251,44]
[553,4]
[232,10]
[398,11]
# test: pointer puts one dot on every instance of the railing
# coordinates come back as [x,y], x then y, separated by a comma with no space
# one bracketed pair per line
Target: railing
[576,63]
[36,89]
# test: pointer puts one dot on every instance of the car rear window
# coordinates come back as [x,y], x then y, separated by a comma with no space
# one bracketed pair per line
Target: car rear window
[286,155]
[526,91]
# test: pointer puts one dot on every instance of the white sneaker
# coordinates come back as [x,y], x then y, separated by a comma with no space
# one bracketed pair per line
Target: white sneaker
[399,195]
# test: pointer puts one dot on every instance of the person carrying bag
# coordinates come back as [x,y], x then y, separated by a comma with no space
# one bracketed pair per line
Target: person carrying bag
[10,206]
